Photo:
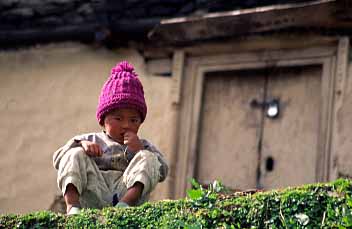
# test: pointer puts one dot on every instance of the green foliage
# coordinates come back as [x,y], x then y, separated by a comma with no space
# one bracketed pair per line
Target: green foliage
[311,206]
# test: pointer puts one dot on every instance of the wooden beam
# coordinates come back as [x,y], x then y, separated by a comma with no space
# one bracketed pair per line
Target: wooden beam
[241,44]
[322,14]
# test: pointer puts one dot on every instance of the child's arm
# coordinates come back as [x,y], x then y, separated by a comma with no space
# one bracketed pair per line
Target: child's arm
[132,141]
[72,143]
[91,148]
[58,154]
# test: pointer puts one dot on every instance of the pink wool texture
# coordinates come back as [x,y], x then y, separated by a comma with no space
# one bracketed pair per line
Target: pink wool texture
[122,90]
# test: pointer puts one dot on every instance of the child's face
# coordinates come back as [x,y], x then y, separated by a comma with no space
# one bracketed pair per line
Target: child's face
[120,121]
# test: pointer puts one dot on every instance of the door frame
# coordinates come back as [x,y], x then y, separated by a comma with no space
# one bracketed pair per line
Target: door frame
[192,78]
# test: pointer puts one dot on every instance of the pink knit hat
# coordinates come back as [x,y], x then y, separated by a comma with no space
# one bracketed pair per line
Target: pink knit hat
[122,90]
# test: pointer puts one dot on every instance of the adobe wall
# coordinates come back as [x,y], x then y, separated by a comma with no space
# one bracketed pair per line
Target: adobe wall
[48,94]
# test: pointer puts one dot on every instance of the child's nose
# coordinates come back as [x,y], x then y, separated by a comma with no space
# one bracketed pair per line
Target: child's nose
[125,124]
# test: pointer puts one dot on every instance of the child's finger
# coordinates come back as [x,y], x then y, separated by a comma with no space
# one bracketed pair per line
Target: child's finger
[92,150]
[85,147]
[125,135]
[96,150]
[89,152]
[100,151]
[125,139]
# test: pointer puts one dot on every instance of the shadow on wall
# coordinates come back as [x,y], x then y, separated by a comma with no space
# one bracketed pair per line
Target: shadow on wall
[58,205]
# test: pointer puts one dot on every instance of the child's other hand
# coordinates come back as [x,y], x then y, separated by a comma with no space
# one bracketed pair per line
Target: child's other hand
[91,148]
[132,141]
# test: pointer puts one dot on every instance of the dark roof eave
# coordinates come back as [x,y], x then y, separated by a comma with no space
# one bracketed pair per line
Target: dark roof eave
[120,30]
[32,36]
[322,14]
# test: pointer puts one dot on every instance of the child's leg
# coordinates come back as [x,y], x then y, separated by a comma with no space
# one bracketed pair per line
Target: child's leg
[71,197]
[133,194]
[80,178]
[140,178]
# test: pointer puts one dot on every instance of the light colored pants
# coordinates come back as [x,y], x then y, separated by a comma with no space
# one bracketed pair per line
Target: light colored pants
[97,187]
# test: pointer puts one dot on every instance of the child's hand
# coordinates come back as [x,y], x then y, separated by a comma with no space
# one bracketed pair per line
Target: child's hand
[91,148]
[132,141]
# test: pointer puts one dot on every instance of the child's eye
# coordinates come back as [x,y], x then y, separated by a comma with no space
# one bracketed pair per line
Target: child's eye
[118,118]
[134,120]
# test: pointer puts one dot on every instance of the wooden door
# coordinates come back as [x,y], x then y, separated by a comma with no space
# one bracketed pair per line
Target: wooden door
[289,149]
[229,129]
[239,145]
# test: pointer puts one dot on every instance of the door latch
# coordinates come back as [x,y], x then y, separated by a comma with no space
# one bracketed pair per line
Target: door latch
[272,107]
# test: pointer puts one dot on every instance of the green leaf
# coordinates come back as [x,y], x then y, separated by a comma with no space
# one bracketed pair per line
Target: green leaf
[195,184]
[195,194]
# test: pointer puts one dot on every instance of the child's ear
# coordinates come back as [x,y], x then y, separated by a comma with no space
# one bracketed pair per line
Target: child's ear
[102,125]
[102,122]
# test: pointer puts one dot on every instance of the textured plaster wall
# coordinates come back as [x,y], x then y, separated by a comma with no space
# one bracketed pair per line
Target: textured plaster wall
[49,94]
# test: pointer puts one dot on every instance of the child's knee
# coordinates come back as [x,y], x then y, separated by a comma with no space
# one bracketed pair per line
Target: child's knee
[76,153]
[148,162]
[148,157]
[144,168]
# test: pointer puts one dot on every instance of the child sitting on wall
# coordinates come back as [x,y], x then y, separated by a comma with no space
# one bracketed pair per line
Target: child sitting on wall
[114,167]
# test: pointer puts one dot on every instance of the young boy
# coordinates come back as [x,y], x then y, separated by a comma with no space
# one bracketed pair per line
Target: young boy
[114,167]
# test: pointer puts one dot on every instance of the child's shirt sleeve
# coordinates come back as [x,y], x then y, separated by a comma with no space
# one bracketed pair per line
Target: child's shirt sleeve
[112,152]
[164,168]
[73,142]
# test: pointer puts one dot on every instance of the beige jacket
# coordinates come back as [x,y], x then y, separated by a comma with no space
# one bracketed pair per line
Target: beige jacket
[115,156]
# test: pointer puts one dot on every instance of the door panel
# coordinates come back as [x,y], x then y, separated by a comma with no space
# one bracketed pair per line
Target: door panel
[290,142]
[230,128]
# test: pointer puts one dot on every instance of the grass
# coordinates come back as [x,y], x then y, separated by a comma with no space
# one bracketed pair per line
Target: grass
[323,205]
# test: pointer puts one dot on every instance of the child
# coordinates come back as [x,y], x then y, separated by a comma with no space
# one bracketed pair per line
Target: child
[114,167]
